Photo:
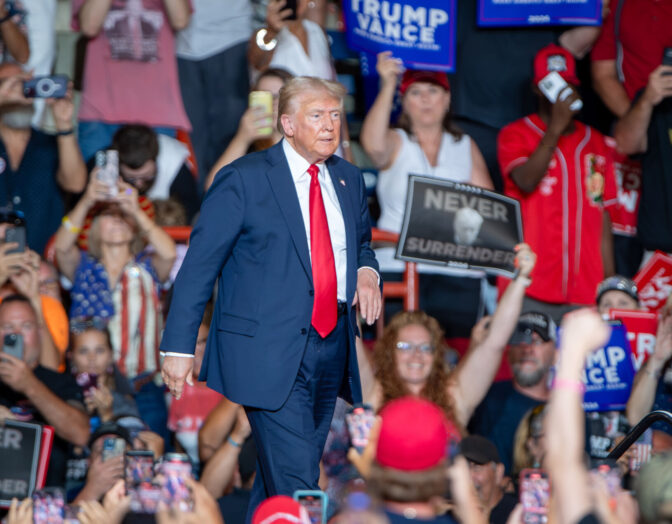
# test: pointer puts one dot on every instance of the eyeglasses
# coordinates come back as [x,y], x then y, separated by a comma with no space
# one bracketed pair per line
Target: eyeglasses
[425,348]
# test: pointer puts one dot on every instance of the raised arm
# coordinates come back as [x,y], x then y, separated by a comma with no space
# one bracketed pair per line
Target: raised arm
[261,47]
[631,130]
[477,369]
[582,332]
[379,141]
[13,38]
[528,175]
[646,381]
[71,175]
[65,243]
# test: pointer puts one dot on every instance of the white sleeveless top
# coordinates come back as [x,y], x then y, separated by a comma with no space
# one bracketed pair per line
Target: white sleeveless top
[453,163]
[290,55]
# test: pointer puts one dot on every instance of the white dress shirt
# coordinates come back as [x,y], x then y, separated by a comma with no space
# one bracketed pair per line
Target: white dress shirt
[298,166]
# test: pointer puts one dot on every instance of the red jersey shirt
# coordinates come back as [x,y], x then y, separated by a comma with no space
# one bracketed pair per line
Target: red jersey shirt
[644,31]
[562,217]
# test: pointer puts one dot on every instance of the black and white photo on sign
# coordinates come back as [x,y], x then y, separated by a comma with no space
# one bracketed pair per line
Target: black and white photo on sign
[459,225]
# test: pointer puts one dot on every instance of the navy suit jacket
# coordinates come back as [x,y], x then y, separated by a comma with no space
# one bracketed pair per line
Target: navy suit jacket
[251,235]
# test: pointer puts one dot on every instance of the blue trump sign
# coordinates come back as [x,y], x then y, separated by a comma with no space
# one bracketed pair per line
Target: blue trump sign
[539,12]
[419,32]
[609,373]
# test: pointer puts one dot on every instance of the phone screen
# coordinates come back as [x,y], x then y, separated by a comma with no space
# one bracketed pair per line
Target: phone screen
[48,506]
[360,420]
[315,503]
[174,489]
[113,447]
[139,467]
[535,489]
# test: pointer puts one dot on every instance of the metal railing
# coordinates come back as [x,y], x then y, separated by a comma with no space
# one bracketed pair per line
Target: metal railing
[636,432]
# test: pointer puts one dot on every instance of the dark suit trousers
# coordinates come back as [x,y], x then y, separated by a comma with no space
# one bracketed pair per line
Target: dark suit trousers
[290,441]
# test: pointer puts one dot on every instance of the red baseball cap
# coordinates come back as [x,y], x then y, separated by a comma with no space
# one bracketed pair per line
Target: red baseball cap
[280,509]
[555,58]
[413,435]
[433,77]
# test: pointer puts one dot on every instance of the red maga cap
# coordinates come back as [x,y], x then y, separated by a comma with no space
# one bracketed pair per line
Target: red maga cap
[433,77]
[280,509]
[555,58]
[413,435]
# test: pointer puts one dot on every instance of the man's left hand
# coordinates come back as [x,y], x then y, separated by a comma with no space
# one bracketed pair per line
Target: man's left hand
[368,295]
[15,373]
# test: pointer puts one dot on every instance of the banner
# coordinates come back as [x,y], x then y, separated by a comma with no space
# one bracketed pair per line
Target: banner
[419,32]
[629,182]
[539,12]
[654,281]
[19,456]
[641,327]
[459,225]
[609,373]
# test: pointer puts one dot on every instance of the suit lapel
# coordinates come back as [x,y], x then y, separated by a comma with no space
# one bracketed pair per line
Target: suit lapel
[282,184]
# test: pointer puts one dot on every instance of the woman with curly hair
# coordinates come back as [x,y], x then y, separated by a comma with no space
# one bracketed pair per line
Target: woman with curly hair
[409,357]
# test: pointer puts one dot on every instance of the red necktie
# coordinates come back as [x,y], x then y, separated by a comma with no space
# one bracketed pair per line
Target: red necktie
[322,257]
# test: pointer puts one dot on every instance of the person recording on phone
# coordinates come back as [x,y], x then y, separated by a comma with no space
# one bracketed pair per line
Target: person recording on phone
[117,282]
[562,173]
[287,232]
[256,129]
[31,392]
[39,165]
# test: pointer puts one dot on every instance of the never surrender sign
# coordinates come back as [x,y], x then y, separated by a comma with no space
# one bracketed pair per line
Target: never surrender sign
[419,32]
[539,12]
[19,456]
[459,225]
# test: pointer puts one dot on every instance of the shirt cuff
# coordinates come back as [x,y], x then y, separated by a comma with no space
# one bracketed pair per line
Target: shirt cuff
[372,269]
[175,354]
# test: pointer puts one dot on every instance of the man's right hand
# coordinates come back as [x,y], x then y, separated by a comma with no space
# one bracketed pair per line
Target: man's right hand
[660,85]
[562,114]
[175,371]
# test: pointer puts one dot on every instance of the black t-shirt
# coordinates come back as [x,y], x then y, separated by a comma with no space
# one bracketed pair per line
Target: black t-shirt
[500,513]
[654,226]
[498,415]
[62,385]
[396,518]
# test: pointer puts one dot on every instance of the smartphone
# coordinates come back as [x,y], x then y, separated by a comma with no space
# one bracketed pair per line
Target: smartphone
[611,473]
[290,4]
[360,419]
[640,451]
[107,163]
[264,100]
[54,86]
[113,447]
[555,87]
[145,498]
[12,344]
[48,506]
[174,470]
[16,234]
[87,381]
[315,502]
[667,58]
[138,467]
[535,490]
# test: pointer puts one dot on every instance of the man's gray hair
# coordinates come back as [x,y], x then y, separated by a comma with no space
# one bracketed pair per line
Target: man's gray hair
[298,86]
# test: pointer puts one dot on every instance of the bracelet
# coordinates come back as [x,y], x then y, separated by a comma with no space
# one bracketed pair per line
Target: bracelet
[571,385]
[261,43]
[70,131]
[233,442]
[67,224]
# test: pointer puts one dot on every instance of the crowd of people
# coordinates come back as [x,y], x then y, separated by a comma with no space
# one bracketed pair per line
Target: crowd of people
[87,266]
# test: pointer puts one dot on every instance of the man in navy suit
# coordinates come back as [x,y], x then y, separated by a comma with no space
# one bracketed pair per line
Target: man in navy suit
[287,232]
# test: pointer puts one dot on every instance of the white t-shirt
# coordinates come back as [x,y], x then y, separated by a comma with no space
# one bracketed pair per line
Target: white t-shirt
[290,55]
[453,163]
[214,27]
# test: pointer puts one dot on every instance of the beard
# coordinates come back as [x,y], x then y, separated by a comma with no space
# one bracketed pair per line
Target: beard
[531,378]
[18,117]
